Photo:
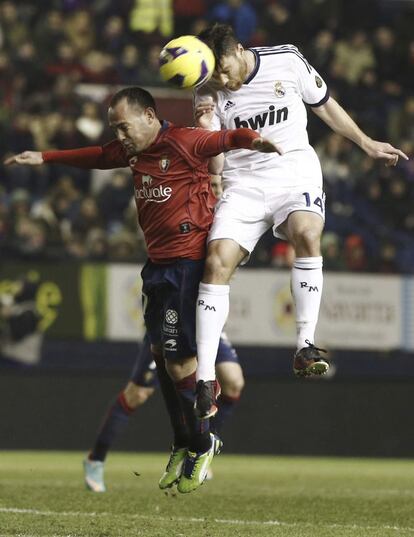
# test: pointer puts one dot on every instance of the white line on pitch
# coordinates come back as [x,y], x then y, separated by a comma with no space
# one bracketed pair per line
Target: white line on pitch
[235,522]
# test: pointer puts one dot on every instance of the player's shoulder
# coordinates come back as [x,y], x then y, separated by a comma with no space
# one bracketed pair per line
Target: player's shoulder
[282,53]
[178,135]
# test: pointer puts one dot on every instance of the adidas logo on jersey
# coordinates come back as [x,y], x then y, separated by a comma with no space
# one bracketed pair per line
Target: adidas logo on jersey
[271,117]
[229,104]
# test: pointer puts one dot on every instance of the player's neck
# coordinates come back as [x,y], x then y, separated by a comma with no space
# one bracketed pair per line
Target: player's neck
[156,132]
[250,60]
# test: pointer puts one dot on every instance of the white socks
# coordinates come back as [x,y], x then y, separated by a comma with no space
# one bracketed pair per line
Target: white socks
[211,315]
[306,283]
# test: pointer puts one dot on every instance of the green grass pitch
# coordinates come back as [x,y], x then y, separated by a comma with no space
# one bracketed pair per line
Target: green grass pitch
[42,495]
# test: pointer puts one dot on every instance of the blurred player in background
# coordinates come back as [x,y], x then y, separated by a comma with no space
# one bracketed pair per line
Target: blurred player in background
[175,210]
[21,339]
[266,88]
[140,388]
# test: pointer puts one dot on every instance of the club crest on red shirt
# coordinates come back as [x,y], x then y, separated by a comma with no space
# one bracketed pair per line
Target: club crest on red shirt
[164,164]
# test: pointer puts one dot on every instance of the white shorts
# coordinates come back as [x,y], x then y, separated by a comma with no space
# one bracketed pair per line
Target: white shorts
[244,214]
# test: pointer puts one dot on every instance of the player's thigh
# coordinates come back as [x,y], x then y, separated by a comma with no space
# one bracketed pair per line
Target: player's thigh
[240,216]
[179,305]
[152,302]
[298,209]
[230,377]
[136,395]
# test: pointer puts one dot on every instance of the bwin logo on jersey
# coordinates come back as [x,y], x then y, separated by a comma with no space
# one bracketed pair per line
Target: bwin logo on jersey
[271,117]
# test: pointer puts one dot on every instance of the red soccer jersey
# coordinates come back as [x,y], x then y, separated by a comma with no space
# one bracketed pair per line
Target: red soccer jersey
[171,184]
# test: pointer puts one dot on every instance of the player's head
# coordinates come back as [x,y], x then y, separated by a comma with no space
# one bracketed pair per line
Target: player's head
[132,115]
[231,65]
[216,187]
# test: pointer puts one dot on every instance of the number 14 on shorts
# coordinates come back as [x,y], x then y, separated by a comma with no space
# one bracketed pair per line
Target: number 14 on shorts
[318,201]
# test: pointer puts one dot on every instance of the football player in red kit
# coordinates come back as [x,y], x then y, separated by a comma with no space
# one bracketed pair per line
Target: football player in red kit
[175,211]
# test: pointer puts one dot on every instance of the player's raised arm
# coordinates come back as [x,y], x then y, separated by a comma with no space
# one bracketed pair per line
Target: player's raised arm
[340,121]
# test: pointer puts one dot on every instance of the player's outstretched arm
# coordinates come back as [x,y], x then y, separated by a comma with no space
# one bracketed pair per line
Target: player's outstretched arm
[28,158]
[106,157]
[341,122]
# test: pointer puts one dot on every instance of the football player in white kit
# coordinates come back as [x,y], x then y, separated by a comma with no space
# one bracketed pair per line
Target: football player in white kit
[266,89]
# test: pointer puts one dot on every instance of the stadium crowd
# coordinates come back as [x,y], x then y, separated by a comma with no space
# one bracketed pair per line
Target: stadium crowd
[364,50]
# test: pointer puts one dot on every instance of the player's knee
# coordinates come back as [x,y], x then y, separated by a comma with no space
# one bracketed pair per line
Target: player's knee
[306,242]
[136,396]
[179,369]
[215,269]
[233,387]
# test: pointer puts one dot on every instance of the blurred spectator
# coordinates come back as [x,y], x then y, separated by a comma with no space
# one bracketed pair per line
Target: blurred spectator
[279,25]
[149,72]
[98,68]
[88,217]
[14,30]
[401,125]
[65,62]
[49,33]
[96,245]
[356,257]
[367,101]
[114,36]
[282,255]
[387,258]
[239,14]
[90,123]
[128,65]
[321,51]
[387,60]
[355,55]
[123,246]
[186,12]
[114,199]
[80,31]
[150,16]
[29,239]
[332,252]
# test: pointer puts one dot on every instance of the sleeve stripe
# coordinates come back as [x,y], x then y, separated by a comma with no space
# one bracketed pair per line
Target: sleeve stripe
[298,54]
[321,102]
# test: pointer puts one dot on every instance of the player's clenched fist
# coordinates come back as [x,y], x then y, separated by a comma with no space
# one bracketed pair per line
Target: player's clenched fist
[30,158]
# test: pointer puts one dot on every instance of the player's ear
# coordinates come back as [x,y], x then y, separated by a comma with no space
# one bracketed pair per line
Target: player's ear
[150,114]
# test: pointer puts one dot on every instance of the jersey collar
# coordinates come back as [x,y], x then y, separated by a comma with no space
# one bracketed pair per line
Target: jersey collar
[255,68]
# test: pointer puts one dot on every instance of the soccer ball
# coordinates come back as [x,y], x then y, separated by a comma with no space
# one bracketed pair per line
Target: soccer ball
[186,62]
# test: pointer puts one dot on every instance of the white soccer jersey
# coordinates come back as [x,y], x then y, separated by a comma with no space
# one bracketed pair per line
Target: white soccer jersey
[271,101]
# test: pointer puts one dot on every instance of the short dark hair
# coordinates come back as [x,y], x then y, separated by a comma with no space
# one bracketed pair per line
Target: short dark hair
[135,96]
[221,39]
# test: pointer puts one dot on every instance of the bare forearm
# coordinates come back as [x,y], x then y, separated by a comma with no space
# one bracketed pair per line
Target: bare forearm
[340,121]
